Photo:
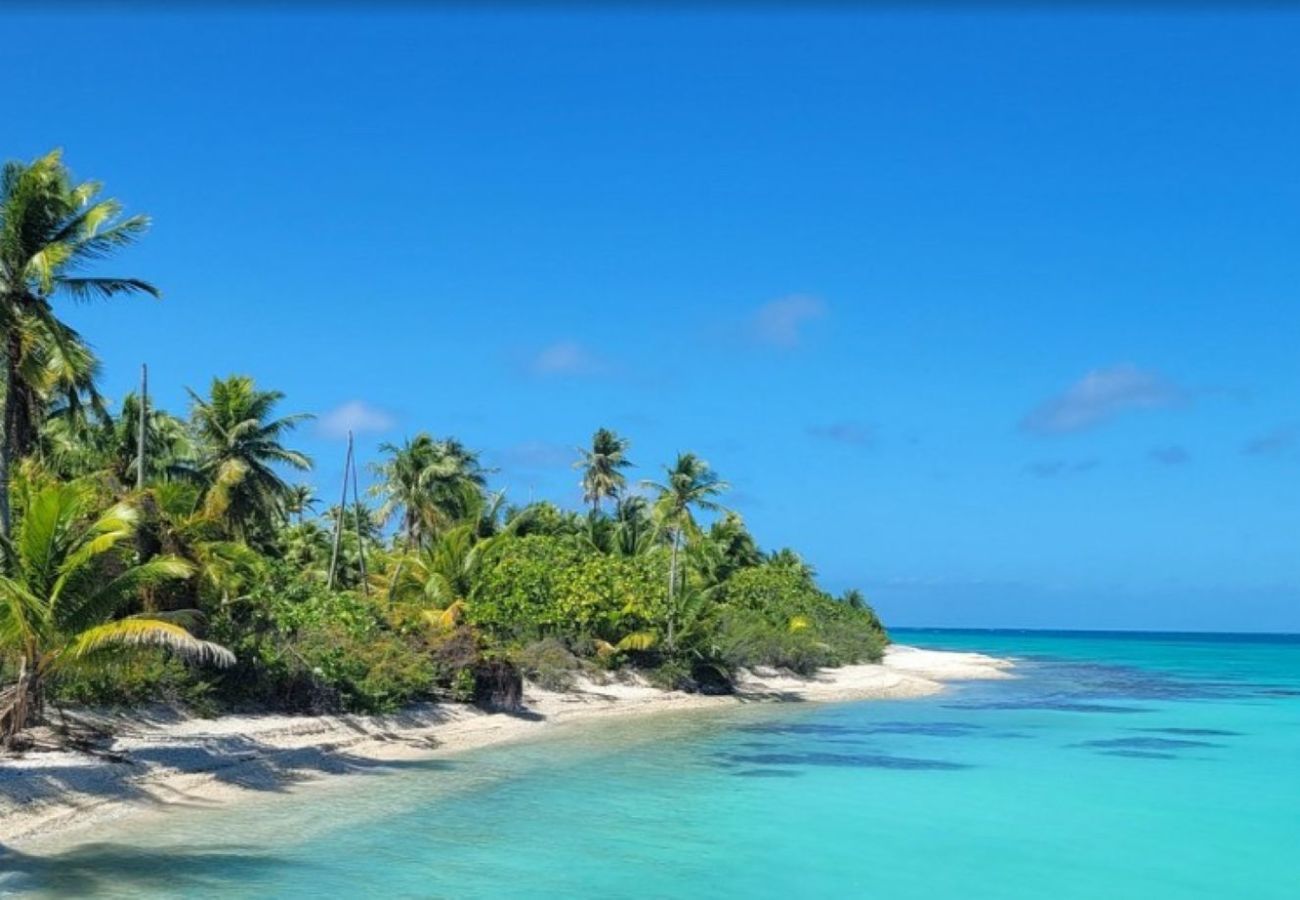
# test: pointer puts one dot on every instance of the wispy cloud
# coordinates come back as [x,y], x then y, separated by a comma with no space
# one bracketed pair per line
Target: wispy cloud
[1100,396]
[1056,468]
[1172,455]
[537,455]
[1272,443]
[356,416]
[566,358]
[781,322]
[855,433]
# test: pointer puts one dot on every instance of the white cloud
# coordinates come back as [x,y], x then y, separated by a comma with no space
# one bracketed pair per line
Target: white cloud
[1100,396]
[566,358]
[355,416]
[780,322]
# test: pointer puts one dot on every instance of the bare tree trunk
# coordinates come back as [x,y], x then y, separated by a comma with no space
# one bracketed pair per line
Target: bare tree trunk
[338,526]
[25,706]
[7,437]
[361,543]
[144,405]
[672,589]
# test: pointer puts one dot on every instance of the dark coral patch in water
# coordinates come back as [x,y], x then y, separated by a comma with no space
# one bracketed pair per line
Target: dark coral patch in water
[1054,705]
[1139,754]
[1147,743]
[1194,732]
[832,731]
[846,760]
[767,773]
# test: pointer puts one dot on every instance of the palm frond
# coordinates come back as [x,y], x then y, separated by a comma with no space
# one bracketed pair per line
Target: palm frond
[147,632]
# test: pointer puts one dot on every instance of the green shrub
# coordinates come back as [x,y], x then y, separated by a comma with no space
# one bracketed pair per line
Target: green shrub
[548,663]
[301,646]
[776,616]
[541,586]
[133,679]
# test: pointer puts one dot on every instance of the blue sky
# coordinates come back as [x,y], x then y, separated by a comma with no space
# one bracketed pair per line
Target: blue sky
[992,314]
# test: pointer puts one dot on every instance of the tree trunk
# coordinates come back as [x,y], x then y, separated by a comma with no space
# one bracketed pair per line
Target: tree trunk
[25,706]
[672,590]
[7,438]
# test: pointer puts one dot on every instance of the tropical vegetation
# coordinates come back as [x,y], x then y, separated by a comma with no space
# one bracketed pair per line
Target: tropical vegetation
[150,556]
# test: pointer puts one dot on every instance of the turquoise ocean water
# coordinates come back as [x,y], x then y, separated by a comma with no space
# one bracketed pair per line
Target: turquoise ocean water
[1115,766]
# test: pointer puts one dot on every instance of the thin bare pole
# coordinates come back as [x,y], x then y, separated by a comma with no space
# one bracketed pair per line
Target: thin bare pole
[144,405]
[338,524]
[361,545]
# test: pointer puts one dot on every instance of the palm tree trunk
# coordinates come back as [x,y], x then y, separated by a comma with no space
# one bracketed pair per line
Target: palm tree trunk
[25,703]
[672,589]
[7,439]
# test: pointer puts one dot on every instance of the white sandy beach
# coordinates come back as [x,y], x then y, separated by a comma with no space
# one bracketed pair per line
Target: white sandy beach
[172,758]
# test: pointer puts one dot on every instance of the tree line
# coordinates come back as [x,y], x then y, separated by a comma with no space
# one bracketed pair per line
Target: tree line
[146,555]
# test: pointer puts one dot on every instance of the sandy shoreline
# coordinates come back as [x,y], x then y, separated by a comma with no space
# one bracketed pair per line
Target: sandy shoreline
[174,759]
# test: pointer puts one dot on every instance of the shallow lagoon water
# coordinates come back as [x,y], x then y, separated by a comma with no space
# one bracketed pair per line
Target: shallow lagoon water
[1153,766]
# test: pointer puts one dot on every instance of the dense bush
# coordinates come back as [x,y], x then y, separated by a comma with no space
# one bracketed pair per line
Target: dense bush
[776,616]
[542,586]
[548,663]
[302,646]
[133,679]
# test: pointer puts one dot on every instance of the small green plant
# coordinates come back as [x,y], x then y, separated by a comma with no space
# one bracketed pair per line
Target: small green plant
[463,686]
[548,663]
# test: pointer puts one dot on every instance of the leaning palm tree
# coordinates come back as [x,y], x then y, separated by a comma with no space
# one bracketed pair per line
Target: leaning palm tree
[239,446]
[50,229]
[67,575]
[600,466]
[690,484]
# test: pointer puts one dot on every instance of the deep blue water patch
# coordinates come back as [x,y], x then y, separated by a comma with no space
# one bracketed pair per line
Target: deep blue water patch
[837,732]
[1139,754]
[1146,743]
[1194,732]
[767,773]
[1054,705]
[846,760]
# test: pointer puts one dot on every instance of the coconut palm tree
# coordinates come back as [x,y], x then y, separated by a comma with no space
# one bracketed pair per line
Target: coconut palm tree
[66,576]
[50,229]
[786,558]
[635,530]
[75,445]
[432,483]
[727,548]
[600,467]
[302,497]
[854,599]
[689,484]
[239,446]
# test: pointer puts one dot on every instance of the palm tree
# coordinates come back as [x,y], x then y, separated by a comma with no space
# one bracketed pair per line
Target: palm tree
[635,531]
[854,599]
[239,445]
[302,497]
[786,558]
[600,467]
[690,484]
[432,483]
[728,547]
[75,445]
[50,228]
[65,577]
